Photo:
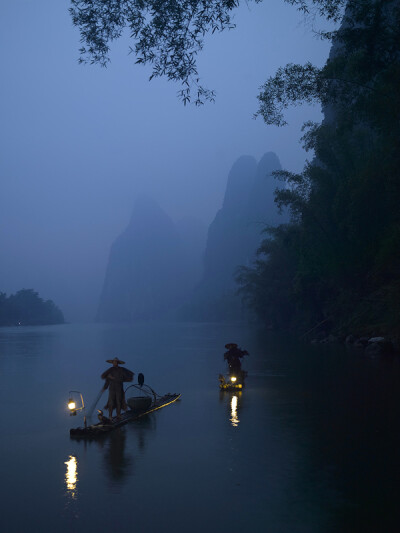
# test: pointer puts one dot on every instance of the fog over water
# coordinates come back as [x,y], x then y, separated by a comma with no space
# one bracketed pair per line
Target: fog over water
[80,143]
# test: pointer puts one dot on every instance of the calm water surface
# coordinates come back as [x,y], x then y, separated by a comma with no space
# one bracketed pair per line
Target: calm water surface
[311,445]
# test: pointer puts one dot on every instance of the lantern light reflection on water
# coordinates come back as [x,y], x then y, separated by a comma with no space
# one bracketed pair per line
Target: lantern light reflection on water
[234,407]
[71,475]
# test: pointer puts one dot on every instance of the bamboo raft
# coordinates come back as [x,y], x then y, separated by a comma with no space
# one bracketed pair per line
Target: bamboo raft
[106,425]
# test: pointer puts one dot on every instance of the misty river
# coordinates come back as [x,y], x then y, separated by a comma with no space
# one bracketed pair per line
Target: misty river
[311,444]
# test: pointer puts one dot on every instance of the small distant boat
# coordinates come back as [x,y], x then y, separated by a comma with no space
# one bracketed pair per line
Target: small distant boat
[138,406]
[233,381]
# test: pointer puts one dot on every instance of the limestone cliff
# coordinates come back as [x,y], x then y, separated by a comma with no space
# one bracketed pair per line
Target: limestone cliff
[148,273]
[235,234]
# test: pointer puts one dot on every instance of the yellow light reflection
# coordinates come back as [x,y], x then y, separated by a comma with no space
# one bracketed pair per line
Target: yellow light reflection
[234,417]
[71,476]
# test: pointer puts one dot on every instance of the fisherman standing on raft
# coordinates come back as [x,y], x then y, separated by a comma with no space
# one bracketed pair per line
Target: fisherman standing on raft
[233,356]
[115,376]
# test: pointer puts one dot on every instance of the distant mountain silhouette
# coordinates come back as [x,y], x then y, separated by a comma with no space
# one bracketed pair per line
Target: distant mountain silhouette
[235,235]
[154,265]
[150,270]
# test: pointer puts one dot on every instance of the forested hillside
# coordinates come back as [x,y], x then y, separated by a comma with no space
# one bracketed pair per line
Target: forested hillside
[26,308]
[335,266]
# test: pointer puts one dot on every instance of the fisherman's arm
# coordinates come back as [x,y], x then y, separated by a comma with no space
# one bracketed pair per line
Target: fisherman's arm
[105,375]
[128,375]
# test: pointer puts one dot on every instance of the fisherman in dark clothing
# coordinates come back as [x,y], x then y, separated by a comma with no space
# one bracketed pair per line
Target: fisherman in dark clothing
[233,356]
[115,376]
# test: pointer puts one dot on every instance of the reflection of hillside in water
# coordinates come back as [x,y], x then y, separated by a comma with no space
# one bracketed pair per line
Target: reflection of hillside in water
[25,342]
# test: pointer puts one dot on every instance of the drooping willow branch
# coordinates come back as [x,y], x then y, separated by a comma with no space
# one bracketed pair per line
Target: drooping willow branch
[166,34]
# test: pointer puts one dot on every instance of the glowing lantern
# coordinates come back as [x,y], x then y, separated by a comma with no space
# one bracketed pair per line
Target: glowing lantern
[73,404]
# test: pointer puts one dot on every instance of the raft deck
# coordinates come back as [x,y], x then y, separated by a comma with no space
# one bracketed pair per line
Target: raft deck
[101,427]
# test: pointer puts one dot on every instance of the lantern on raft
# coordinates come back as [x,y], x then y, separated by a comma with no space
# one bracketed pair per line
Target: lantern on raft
[75,402]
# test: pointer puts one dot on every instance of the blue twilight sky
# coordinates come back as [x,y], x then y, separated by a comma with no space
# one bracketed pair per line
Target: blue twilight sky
[79,143]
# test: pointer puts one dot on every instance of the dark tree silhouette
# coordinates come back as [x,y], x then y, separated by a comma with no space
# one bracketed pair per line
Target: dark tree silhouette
[27,308]
[344,240]
[166,34]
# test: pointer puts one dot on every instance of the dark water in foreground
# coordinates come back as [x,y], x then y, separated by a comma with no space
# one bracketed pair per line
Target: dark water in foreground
[311,445]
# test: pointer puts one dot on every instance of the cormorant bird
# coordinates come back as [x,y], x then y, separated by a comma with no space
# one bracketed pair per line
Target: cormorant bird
[140,379]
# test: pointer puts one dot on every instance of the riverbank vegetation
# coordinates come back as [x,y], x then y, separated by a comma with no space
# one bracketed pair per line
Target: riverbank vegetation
[335,266]
[26,308]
